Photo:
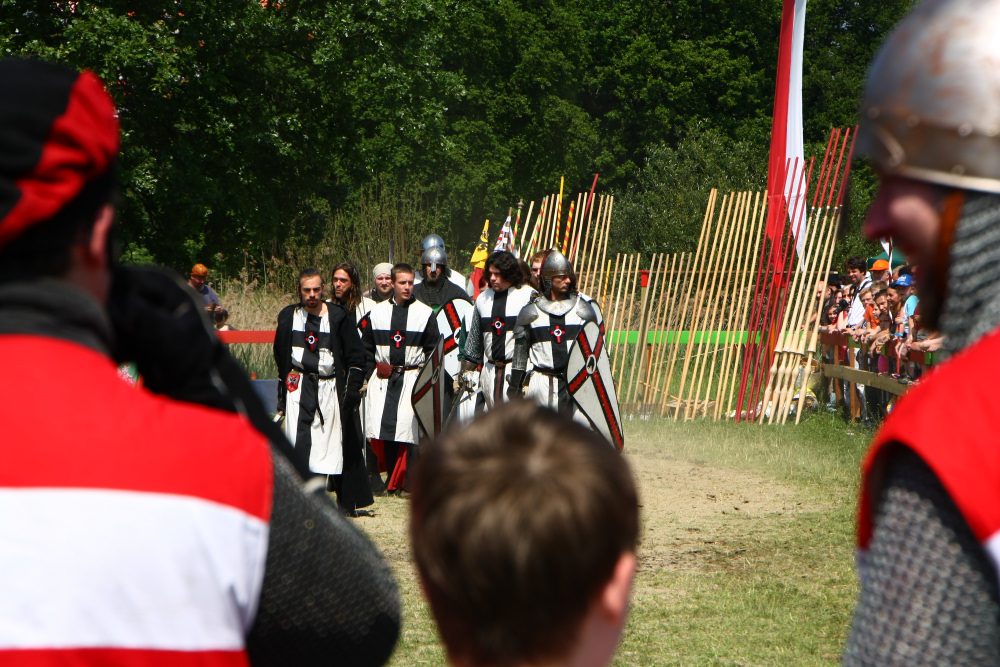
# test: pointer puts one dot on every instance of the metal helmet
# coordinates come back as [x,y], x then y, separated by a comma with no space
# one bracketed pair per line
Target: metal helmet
[434,255]
[554,264]
[931,105]
[432,241]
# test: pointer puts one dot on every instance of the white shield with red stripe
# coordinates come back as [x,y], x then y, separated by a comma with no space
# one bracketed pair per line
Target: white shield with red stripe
[588,376]
[429,400]
[449,321]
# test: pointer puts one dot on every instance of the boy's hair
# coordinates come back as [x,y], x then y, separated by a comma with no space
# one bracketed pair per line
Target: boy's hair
[517,522]
[402,267]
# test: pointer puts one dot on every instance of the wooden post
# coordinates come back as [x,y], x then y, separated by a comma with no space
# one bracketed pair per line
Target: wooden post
[616,280]
[699,261]
[686,303]
[661,323]
[603,249]
[759,215]
[721,248]
[628,306]
[727,293]
[643,324]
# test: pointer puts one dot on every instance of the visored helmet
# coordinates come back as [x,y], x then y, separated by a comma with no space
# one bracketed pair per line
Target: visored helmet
[554,264]
[434,256]
[931,105]
[432,241]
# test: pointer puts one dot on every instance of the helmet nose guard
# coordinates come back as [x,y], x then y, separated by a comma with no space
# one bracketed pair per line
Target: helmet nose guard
[434,256]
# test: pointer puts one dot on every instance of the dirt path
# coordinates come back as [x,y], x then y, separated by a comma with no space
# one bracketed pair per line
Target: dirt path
[693,512]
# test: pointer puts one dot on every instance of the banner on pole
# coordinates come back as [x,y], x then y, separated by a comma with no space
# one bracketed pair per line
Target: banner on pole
[786,129]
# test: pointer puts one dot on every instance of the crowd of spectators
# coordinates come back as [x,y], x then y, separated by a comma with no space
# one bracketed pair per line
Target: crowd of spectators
[876,306]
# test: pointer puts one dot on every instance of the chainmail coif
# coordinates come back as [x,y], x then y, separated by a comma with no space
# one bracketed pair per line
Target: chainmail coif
[972,305]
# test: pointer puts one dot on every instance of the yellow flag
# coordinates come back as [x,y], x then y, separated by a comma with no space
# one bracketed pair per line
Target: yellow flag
[482,251]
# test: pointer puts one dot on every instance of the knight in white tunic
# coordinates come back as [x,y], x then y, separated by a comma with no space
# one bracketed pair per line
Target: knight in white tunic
[398,335]
[320,359]
[545,332]
[490,341]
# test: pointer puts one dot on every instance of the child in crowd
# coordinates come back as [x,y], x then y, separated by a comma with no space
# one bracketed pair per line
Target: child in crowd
[524,528]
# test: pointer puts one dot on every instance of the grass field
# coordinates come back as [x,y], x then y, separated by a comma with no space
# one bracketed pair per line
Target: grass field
[746,554]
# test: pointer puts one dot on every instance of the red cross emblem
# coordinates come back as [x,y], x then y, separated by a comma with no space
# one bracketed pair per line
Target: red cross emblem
[558,333]
[398,339]
[311,339]
[498,324]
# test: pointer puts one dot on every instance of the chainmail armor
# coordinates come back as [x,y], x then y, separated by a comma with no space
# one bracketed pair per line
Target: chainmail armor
[352,618]
[972,305]
[929,594]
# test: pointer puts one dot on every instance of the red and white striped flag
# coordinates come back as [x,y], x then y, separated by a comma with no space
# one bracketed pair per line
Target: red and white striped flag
[506,239]
[785,167]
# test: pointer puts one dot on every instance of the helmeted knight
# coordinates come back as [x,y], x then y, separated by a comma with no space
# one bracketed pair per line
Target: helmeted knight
[490,340]
[435,241]
[545,332]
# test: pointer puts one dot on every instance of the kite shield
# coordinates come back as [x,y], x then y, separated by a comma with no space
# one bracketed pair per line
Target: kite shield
[588,377]
[449,321]
[429,399]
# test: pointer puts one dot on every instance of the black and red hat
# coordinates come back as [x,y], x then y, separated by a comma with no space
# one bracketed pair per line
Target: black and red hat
[58,132]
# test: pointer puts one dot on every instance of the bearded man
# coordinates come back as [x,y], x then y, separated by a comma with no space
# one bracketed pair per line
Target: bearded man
[320,359]
[382,274]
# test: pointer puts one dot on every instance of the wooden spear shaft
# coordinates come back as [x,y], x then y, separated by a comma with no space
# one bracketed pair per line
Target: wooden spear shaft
[790,363]
[725,233]
[640,346]
[829,258]
[659,328]
[527,223]
[616,279]
[686,304]
[628,307]
[609,207]
[783,311]
[580,258]
[734,301]
[668,316]
[794,339]
[692,334]
[756,233]
[725,293]
[619,292]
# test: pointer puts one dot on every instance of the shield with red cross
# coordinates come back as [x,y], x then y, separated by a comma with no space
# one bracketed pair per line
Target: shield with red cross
[449,321]
[429,398]
[588,377]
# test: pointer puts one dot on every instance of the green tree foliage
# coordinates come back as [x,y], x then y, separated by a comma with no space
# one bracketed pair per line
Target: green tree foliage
[251,126]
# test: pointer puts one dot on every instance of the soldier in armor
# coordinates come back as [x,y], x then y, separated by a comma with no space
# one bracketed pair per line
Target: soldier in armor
[435,241]
[437,288]
[490,341]
[929,517]
[545,332]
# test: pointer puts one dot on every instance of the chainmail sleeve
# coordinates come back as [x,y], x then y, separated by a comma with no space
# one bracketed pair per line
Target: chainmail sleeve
[929,593]
[474,340]
[328,596]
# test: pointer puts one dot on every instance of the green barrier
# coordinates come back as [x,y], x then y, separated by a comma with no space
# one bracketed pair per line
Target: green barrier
[671,337]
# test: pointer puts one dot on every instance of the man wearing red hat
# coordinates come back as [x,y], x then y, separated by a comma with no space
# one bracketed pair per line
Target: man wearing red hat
[161,525]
